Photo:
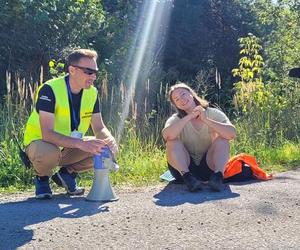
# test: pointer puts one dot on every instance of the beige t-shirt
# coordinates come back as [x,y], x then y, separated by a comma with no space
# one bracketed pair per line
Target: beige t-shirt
[196,141]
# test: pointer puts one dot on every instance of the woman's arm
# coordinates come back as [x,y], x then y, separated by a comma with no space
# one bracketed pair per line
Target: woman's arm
[223,129]
[171,132]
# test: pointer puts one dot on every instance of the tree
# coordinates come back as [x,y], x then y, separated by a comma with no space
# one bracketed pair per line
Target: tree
[279,24]
[33,31]
[202,37]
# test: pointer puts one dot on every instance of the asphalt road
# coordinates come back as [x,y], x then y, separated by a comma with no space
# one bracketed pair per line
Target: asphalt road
[253,215]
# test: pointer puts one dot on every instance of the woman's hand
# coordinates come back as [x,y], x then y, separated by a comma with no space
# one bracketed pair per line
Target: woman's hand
[199,113]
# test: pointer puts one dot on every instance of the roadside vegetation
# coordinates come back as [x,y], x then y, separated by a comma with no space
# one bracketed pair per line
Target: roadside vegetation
[236,54]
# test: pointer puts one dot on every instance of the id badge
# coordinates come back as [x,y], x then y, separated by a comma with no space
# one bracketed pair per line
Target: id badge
[76,134]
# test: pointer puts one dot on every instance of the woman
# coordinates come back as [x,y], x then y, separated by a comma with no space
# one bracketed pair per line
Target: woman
[197,140]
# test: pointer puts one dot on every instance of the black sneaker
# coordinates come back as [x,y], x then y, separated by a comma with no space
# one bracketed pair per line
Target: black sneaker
[64,179]
[192,183]
[216,181]
[42,188]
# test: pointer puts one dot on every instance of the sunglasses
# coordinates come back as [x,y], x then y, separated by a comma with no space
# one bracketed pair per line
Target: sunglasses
[86,71]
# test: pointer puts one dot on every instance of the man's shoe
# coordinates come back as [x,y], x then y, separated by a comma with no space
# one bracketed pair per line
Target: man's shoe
[42,188]
[192,183]
[216,182]
[64,179]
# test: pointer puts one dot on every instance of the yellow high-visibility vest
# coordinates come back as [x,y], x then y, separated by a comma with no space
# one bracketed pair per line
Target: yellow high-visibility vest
[62,120]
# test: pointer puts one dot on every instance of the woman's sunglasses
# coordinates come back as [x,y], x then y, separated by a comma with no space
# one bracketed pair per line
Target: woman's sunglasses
[86,71]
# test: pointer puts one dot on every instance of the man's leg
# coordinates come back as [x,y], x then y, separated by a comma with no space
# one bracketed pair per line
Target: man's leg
[178,158]
[76,160]
[44,157]
[72,161]
[217,157]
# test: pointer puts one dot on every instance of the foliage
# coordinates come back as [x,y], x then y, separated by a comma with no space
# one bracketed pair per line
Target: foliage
[56,68]
[201,48]
[12,172]
[53,25]
[115,36]
[278,23]
[142,156]
[250,65]
[202,37]
[248,72]
[270,112]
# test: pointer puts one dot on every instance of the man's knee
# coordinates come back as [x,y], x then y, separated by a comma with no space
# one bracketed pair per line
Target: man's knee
[44,156]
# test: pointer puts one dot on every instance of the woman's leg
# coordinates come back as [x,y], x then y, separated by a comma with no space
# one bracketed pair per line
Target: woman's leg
[179,159]
[177,156]
[218,155]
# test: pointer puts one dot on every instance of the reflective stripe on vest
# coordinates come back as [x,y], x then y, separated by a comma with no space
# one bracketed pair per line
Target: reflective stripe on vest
[62,121]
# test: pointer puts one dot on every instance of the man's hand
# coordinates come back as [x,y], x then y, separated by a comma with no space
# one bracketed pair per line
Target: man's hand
[112,144]
[93,146]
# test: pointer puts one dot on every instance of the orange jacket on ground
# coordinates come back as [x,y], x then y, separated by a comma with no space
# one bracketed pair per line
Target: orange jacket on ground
[234,166]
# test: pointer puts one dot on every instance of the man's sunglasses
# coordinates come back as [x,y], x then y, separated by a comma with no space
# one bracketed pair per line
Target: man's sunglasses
[86,71]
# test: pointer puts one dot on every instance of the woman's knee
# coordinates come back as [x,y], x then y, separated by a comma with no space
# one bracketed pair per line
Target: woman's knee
[221,142]
[172,144]
[219,146]
[176,151]
[175,147]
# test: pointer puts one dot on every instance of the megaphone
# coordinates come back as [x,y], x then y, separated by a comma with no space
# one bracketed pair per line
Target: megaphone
[101,189]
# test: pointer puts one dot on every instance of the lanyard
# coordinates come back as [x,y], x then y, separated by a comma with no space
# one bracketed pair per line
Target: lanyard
[74,116]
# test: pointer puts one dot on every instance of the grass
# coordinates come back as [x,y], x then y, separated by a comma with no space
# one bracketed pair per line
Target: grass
[141,164]
[265,133]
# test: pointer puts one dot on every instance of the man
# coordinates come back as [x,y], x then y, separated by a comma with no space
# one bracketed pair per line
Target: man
[65,108]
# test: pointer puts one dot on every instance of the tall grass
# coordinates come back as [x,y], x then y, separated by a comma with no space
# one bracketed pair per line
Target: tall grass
[267,128]
[12,172]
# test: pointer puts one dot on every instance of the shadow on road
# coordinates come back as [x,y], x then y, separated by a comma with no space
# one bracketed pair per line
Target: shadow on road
[17,217]
[176,194]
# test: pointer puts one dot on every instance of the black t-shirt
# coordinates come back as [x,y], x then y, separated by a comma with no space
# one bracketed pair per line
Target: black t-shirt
[46,102]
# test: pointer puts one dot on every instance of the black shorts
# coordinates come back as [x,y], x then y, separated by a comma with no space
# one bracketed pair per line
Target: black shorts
[201,171]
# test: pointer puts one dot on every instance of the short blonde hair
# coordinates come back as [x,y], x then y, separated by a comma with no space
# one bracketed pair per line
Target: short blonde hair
[75,56]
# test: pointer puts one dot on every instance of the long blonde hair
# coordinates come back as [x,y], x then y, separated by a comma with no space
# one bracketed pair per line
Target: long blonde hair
[198,100]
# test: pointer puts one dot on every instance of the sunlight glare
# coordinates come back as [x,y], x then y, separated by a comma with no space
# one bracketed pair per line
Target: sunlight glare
[149,38]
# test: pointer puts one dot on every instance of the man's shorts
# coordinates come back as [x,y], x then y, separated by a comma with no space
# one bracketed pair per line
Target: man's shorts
[201,171]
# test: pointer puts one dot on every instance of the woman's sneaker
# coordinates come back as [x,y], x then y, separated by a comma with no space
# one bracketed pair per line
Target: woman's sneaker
[64,179]
[216,182]
[192,182]
[42,187]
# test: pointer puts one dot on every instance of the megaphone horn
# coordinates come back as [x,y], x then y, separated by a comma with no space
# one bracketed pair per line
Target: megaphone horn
[101,189]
